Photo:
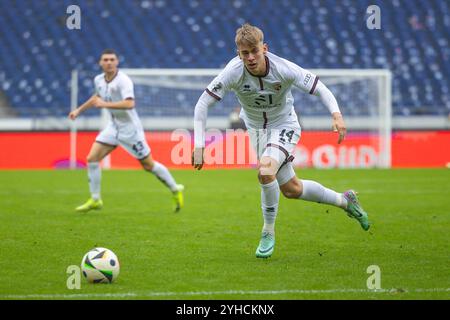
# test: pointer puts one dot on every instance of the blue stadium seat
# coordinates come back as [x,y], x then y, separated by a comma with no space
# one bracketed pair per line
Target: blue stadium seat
[37,51]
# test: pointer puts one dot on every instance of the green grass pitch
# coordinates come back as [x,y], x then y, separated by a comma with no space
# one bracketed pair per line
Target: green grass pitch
[207,250]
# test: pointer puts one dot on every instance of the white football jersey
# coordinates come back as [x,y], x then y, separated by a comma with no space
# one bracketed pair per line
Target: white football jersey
[266,100]
[117,89]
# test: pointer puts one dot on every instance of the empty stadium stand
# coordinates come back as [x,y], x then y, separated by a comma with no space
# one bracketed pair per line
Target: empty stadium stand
[38,52]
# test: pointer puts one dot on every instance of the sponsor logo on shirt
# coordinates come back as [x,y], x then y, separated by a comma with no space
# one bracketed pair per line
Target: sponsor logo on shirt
[307,78]
[246,88]
[260,99]
[265,102]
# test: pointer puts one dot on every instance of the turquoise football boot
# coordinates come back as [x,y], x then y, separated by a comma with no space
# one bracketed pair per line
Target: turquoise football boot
[266,245]
[354,209]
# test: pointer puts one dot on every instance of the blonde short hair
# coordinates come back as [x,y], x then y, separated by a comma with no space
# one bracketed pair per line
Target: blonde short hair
[249,35]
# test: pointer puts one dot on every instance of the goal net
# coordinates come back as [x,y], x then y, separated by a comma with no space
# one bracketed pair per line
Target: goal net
[165,100]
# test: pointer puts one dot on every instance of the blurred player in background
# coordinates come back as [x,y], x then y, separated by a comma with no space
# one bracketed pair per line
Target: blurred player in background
[114,91]
[262,83]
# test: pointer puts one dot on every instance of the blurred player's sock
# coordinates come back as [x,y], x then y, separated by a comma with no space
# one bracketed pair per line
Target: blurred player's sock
[178,198]
[94,175]
[314,191]
[163,174]
[270,196]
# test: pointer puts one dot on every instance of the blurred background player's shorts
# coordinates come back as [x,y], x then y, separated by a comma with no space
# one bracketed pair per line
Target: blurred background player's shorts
[131,139]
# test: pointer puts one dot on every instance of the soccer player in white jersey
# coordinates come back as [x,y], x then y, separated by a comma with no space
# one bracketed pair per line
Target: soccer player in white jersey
[114,91]
[262,83]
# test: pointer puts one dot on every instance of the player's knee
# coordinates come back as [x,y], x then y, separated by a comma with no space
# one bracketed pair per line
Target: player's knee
[147,167]
[264,178]
[292,190]
[267,170]
[92,158]
[147,164]
[291,193]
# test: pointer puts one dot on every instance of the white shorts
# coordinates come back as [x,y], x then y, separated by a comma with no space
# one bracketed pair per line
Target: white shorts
[277,143]
[130,138]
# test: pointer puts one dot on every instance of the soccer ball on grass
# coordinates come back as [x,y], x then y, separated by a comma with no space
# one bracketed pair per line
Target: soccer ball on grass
[100,265]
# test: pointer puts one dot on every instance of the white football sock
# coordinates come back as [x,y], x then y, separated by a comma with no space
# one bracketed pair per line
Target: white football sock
[163,174]
[314,191]
[270,196]
[95,176]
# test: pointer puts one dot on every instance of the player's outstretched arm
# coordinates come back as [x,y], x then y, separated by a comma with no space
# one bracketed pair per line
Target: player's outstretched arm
[200,114]
[330,102]
[123,104]
[86,105]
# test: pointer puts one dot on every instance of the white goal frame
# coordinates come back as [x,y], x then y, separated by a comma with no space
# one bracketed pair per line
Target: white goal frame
[382,124]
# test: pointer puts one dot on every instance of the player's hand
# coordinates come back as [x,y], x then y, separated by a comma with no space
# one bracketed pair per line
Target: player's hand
[197,158]
[74,114]
[339,126]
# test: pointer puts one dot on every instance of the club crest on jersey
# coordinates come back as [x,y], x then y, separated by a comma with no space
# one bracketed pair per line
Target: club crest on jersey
[217,86]
[277,86]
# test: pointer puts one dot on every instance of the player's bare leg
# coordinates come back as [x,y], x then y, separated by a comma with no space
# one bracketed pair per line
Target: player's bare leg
[163,174]
[270,195]
[313,191]
[97,153]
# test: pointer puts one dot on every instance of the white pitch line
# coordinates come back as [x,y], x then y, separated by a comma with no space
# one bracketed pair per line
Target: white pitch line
[213,293]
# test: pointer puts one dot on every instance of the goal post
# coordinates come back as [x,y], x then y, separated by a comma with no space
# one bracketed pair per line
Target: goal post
[165,100]
[73,127]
